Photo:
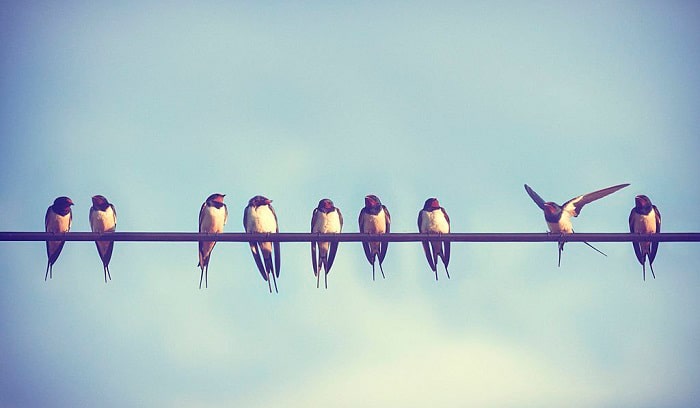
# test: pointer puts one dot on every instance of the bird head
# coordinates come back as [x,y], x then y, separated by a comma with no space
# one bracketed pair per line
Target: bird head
[259,200]
[326,205]
[62,202]
[372,201]
[99,201]
[551,209]
[216,197]
[431,204]
[642,202]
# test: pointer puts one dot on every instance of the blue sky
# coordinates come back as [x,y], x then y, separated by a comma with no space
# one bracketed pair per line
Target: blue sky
[157,106]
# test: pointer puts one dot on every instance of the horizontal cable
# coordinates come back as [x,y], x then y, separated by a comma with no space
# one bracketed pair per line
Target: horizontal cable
[349,237]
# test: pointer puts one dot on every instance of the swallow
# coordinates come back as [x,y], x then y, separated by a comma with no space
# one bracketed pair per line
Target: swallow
[57,220]
[212,218]
[374,219]
[433,219]
[645,218]
[558,217]
[325,219]
[259,217]
[103,218]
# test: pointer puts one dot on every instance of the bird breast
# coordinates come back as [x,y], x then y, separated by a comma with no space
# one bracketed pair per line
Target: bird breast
[261,219]
[374,224]
[645,224]
[327,223]
[58,223]
[213,219]
[102,221]
[434,222]
[563,226]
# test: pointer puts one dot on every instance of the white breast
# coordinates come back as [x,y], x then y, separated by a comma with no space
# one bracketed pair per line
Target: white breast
[260,219]
[213,219]
[58,223]
[374,224]
[563,226]
[434,222]
[103,221]
[645,224]
[327,223]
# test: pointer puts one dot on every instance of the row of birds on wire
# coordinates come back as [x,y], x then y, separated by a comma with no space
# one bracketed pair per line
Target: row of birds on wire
[374,218]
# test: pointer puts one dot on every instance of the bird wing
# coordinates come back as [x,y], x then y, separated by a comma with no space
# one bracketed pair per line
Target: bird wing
[655,244]
[635,245]
[245,218]
[276,244]
[535,197]
[114,212]
[46,219]
[447,217]
[92,211]
[314,263]
[256,256]
[314,217]
[575,205]
[225,214]
[385,245]
[201,215]
[278,258]
[340,217]
[420,220]
[365,244]
[334,245]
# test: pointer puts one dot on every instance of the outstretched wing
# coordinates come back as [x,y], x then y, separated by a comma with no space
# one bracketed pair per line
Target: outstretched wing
[575,205]
[535,197]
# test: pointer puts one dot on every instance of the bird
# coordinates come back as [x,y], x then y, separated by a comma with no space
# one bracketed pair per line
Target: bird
[558,217]
[103,218]
[645,218]
[212,218]
[326,218]
[433,219]
[58,220]
[259,217]
[374,219]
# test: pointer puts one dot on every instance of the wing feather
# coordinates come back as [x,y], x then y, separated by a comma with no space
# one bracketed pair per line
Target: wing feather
[535,197]
[575,205]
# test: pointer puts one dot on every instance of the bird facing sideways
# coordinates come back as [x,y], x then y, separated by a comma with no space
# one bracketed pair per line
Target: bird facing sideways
[645,218]
[103,218]
[326,219]
[58,220]
[558,217]
[433,219]
[212,218]
[375,219]
[259,217]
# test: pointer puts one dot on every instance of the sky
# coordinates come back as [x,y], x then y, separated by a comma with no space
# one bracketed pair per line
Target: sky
[156,106]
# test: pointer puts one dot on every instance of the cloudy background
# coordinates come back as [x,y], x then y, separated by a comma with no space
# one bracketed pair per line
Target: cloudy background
[157,106]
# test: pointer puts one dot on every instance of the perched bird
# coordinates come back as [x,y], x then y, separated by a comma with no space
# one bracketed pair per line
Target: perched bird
[212,218]
[103,218]
[433,219]
[57,220]
[645,218]
[260,217]
[374,219]
[325,219]
[559,217]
